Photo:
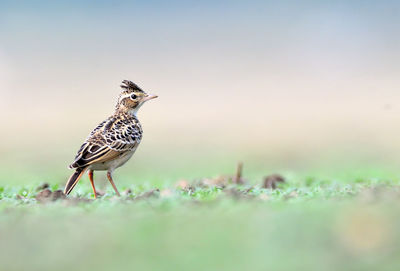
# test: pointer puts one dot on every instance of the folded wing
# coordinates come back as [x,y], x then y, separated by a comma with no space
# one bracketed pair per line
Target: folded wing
[107,141]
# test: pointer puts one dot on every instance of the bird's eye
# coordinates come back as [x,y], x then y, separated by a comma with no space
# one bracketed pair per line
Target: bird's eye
[133,96]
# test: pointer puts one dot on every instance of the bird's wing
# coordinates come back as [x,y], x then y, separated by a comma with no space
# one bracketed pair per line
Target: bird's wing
[107,141]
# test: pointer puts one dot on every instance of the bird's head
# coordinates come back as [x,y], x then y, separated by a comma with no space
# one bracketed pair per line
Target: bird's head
[132,98]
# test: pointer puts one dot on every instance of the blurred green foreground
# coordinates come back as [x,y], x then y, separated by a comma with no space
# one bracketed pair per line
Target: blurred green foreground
[303,225]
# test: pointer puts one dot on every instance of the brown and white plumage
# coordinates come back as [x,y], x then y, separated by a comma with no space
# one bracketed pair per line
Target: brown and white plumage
[112,143]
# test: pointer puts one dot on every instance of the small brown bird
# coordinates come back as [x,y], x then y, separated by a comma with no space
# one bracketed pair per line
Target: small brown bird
[113,142]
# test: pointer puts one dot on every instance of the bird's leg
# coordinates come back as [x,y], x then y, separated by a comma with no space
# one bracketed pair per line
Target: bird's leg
[112,183]
[92,182]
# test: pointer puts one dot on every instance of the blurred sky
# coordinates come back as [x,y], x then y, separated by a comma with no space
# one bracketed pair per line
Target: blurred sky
[244,75]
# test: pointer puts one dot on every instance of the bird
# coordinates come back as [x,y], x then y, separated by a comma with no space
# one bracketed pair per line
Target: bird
[113,142]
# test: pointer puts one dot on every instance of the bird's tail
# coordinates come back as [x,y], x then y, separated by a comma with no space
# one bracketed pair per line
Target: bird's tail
[73,180]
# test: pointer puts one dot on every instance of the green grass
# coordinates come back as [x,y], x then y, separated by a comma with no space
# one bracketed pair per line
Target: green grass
[306,224]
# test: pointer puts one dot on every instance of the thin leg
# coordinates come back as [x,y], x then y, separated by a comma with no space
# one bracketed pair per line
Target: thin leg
[92,182]
[112,183]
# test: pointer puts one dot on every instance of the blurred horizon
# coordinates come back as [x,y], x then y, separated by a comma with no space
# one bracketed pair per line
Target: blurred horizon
[292,81]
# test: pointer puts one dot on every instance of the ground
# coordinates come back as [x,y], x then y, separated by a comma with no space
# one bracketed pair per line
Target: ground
[215,223]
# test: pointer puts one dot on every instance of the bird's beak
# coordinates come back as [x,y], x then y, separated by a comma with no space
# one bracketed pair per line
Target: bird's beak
[149,97]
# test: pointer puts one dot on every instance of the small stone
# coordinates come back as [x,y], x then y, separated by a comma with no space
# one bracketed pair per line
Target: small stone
[44,195]
[128,192]
[42,187]
[271,181]
[58,194]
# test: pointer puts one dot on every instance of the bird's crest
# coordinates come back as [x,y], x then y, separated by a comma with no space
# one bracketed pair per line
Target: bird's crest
[129,85]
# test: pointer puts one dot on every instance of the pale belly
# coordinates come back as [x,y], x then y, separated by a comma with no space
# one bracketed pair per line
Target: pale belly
[113,164]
